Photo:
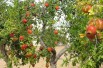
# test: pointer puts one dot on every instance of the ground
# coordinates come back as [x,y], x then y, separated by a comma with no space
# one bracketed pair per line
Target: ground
[42,62]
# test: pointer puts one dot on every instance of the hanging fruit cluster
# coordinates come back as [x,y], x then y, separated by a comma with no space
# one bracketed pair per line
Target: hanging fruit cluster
[94,28]
[86,32]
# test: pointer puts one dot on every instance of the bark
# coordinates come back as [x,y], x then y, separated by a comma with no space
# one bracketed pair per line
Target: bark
[52,61]
[54,58]
[52,65]
[4,53]
[61,53]
[53,55]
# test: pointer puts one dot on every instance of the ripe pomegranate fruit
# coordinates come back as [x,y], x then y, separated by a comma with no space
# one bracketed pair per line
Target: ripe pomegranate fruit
[91,31]
[55,31]
[57,7]
[47,4]
[24,46]
[21,38]
[98,23]
[24,21]
[86,8]
[50,49]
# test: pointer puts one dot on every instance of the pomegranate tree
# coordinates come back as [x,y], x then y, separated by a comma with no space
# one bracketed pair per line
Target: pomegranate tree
[27,21]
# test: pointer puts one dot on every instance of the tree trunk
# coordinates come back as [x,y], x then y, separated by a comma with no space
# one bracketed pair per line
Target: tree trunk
[52,61]
[3,52]
[55,58]
[5,56]
[53,65]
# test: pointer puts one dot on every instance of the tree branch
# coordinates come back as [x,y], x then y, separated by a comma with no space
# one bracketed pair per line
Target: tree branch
[3,51]
[53,55]
[43,30]
[52,60]
[61,53]
[42,43]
